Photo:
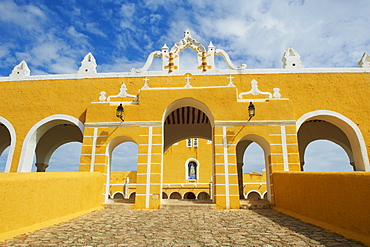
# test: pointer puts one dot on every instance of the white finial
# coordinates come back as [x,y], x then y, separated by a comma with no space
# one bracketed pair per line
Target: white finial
[187,33]
[365,61]
[291,59]
[88,65]
[20,70]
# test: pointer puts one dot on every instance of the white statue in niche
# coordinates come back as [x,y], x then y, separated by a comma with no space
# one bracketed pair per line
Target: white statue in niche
[192,173]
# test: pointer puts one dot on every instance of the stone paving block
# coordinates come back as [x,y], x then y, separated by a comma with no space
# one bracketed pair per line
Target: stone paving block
[116,227]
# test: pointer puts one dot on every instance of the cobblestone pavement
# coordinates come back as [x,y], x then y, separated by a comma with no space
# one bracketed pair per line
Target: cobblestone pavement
[116,227]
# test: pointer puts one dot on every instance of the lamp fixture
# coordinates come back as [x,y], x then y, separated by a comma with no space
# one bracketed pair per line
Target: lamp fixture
[119,112]
[251,110]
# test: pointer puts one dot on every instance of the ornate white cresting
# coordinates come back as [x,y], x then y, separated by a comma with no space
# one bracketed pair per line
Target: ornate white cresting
[20,70]
[88,65]
[256,91]
[171,57]
[122,94]
[291,59]
[365,61]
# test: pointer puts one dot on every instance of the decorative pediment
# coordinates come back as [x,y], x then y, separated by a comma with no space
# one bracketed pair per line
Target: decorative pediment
[255,91]
[171,57]
[122,94]
[20,70]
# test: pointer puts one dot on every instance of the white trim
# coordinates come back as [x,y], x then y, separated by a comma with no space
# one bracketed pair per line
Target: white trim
[148,168]
[165,73]
[246,195]
[124,124]
[365,166]
[30,142]
[284,148]
[93,150]
[226,168]
[255,123]
[13,140]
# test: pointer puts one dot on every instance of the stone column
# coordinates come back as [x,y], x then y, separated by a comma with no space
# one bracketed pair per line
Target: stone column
[41,167]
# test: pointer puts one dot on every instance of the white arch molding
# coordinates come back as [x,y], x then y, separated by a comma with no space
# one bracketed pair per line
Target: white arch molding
[253,191]
[36,132]
[13,139]
[351,130]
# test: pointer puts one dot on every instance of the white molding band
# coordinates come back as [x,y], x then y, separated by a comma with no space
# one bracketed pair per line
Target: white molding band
[93,150]
[226,168]
[124,124]
[148,168]
[255,123]
[284,148]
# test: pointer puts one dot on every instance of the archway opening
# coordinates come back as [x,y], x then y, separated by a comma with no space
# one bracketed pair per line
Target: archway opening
[252,162]
[45,137]
[66,158]
[332,126]
[190,196]
[324,155]
[54,138]
[175,195]
[122,168]
[203,196]
[124,157]
[322,135]
[253,196]
[188,150]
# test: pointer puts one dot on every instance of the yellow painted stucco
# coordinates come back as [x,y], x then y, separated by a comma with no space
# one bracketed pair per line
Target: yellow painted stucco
[337,201]
[30,201]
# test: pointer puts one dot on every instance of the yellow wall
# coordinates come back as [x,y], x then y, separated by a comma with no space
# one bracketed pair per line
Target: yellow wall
[30,201]
[338,201]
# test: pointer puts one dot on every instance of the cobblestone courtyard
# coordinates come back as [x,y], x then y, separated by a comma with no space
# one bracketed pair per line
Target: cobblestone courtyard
[117,227]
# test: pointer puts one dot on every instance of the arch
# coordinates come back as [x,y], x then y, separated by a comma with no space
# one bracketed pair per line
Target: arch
[192,116]
[264,195]
[353,143]
[118,195]
[190,195]
[11,141]
[109,150]
[132,196]
[164,195]
[242,145]
[187,169]
[253,195]
[175,195]
[203,196]
[38,131]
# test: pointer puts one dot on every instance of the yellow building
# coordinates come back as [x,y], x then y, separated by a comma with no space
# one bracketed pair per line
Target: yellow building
[191,127]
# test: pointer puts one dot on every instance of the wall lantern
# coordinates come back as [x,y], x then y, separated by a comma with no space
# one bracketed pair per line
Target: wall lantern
[119,112]
[251,110]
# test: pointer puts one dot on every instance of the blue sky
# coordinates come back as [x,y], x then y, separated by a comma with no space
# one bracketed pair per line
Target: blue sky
[54,36]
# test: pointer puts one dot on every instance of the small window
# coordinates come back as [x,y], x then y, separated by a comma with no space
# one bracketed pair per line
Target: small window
[195,142]
[189,142]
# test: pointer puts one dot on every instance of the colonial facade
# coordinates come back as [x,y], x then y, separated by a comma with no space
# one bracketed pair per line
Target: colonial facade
[191,127]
